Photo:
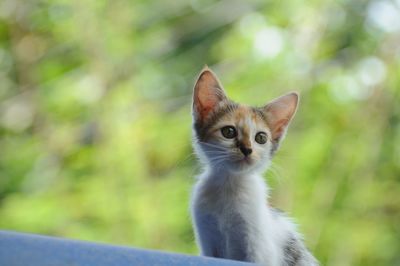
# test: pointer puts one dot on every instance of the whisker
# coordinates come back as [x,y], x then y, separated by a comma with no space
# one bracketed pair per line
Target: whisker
[218,154]
[217,151]
[218,165]
[275,171]
[223,158]
[213,145]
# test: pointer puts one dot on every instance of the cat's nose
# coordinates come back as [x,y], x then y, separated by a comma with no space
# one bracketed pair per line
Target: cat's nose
[246,151]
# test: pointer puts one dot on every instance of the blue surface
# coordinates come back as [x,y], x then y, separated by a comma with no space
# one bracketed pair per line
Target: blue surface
[18,249]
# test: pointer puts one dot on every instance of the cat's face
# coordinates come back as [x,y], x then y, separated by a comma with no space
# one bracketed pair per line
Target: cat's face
[234,137]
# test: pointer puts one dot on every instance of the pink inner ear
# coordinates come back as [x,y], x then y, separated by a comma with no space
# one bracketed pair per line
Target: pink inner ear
[206,104]
[207,94]
[279,112]
[279,128]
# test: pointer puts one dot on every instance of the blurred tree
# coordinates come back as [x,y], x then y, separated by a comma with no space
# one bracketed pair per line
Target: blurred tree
[95,116]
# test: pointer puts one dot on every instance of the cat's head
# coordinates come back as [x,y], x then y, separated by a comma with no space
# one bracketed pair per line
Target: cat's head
[235,137]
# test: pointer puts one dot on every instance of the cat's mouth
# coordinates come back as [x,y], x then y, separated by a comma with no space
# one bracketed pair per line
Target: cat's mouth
[246,160]
[242,164]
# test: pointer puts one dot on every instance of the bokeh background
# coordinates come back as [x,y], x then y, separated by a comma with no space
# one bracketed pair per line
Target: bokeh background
[95,124]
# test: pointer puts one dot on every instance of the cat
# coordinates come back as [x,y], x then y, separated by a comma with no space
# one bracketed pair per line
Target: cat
[235,143]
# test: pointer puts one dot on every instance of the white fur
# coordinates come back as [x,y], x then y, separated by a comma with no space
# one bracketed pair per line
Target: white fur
[244,196]
[231,216]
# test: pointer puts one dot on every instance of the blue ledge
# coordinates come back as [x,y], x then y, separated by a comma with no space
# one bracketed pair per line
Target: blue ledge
[18,249]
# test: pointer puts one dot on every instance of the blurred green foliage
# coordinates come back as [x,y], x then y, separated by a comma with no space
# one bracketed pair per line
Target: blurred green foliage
[95,125]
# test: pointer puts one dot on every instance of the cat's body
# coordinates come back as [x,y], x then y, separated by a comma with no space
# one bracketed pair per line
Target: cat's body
[229,203]
[233,221]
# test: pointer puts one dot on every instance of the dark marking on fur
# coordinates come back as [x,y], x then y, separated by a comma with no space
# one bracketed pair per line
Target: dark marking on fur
[202,128]
[275,146]
[293,251]
[277,212]
[260,113]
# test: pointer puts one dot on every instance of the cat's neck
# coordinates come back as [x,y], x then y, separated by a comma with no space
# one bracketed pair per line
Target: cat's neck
[224,173]
[222,191]
[228,181]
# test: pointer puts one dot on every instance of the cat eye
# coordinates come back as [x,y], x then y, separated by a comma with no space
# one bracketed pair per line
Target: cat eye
[229,132]
[261,138]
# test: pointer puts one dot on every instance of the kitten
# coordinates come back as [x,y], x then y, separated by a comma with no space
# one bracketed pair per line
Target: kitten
[236,142]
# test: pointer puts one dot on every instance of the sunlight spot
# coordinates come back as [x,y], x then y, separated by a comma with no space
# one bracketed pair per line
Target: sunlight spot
[371,71]
[251,23]
[17,115]
[268,42]
[346,88]
[89,89]
[384,15]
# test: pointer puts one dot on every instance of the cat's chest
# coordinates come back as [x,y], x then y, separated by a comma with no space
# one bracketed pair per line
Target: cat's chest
[233,213]
[232,199]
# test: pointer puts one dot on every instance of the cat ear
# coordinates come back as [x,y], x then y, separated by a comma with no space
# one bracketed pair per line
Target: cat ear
[207,94]
[279,113]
